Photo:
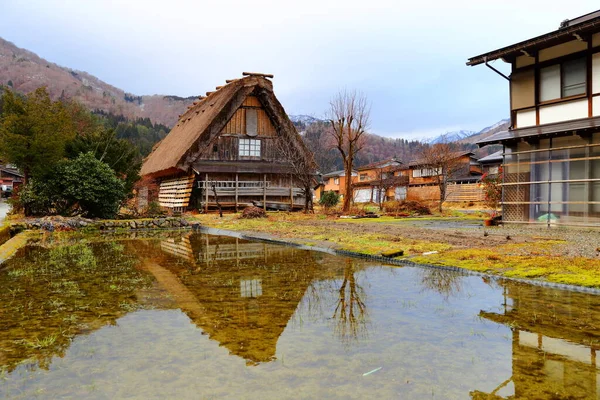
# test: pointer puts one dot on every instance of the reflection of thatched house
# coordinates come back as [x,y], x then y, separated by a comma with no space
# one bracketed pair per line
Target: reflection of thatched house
[242,294]
[237,140]
[554,344]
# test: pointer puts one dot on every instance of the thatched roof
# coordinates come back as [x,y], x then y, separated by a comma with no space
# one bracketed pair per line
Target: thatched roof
[202,123]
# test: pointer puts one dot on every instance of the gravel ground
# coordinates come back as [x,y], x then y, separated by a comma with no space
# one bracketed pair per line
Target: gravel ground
[580,242]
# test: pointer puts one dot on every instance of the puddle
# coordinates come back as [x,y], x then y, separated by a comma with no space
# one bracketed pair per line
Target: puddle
[199,316]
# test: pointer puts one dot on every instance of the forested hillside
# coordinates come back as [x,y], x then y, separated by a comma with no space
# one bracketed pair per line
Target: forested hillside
[24,71]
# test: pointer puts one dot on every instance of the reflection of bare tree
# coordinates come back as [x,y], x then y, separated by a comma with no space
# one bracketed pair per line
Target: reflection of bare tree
[446,283]
[350,314]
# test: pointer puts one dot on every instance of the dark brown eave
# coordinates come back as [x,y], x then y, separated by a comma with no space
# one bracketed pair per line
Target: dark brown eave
[529,46]
[247,166]
[577,126]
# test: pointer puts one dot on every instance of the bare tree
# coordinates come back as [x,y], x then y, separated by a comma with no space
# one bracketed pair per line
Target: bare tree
[303,168]
[442,163]
[385,181]
[349,119]
[350,314]
[213,186]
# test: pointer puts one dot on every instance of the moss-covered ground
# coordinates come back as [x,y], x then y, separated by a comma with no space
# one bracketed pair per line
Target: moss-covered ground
[522,253]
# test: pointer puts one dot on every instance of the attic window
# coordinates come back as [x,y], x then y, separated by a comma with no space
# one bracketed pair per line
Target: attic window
[249,148]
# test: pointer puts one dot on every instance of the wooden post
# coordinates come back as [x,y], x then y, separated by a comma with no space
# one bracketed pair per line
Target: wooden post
[236,192]
[291,193]
[206,194]
[265,192]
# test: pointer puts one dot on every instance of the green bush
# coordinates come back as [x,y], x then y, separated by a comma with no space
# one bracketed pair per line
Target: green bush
[83,186]
[329,199]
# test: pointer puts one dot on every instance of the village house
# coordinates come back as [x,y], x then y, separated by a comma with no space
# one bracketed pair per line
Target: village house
[378,182]
[334,181]
[462,186]
[491,163]
[233,148]
[552,148]
[10,179]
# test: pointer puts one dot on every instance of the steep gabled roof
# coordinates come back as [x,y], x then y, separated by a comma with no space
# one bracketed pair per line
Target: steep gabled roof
[389,162]
[202,122]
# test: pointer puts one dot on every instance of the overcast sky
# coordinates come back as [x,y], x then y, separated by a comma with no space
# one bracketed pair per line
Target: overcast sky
[409,59]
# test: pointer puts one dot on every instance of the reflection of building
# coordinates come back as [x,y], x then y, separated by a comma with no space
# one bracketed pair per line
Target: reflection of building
[241,293]
[554,344]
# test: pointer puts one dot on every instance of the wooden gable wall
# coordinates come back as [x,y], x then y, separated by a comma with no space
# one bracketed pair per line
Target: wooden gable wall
[237,123]
[225,148]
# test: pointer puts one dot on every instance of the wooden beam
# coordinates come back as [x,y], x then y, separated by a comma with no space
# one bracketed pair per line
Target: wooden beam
[257,74]
[291,191]
[236,192]
[265,192]
[206,194]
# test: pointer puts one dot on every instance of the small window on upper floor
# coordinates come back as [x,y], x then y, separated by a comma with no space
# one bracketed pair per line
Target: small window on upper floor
[563,80]
[363,177]
[336,181]
[249,148]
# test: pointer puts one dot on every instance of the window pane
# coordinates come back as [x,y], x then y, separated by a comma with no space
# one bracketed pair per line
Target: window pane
[550,83]
[574,77]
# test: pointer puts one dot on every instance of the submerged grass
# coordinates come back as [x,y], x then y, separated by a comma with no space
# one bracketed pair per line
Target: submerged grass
[58,292]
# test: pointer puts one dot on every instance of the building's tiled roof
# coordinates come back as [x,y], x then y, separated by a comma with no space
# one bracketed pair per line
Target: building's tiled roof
[494,157]
[379,164]
[547,130]
[336,173]
[581,26]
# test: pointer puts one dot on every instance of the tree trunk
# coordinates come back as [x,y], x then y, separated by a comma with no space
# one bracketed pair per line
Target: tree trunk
[348,186]
[442,194]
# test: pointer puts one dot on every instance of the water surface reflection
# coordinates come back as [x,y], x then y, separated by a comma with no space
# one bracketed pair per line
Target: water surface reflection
[199,316]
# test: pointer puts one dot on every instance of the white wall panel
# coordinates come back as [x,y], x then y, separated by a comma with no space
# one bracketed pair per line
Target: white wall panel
[596,73]
[525,118]
[596,106]
[564,111]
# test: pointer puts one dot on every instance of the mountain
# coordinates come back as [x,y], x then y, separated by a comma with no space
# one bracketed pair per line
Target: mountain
[455,136]
[488,131]
[471,137]
[24,71]
[302,121]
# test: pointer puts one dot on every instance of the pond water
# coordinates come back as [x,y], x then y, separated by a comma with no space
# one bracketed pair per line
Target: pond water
[195,316]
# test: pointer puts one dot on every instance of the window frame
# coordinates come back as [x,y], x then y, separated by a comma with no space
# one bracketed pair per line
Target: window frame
[249,148]
[560,64]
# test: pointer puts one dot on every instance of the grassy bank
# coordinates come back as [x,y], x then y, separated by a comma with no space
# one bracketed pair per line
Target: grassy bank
[555,256]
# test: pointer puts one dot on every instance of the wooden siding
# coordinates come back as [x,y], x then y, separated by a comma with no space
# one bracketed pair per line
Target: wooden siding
[226,148]
[237,123]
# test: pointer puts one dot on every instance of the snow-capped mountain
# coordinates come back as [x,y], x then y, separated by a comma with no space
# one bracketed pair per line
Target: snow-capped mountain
[304,119]
[466,136]
[455,136]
